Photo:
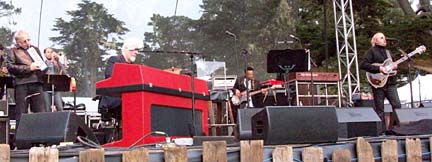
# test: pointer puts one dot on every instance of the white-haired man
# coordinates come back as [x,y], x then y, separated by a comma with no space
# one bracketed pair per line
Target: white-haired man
[109,106]
[23,65]
[377,54]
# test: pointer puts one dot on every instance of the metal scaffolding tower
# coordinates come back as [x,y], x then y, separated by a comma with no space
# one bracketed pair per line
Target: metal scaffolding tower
[346,48]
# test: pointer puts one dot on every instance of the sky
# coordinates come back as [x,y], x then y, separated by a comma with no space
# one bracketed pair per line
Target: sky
[135,13]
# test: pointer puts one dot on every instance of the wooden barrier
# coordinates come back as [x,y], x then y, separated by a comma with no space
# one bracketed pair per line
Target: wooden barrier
[250,151]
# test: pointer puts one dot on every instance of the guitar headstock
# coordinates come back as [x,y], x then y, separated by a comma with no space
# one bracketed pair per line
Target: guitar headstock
[421,49]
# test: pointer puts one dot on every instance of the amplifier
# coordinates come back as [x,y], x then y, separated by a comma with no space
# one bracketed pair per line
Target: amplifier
[222,83]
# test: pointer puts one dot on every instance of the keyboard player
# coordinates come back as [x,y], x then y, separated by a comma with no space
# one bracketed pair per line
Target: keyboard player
[110,107]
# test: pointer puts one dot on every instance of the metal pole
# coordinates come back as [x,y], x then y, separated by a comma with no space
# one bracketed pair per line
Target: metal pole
[40,22]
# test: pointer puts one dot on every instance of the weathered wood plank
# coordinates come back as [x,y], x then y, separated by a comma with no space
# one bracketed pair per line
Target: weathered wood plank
[138,155]
[4,152]
[389,151]
[92,155]
[364,151]
[341,155]
[252,151]
[413,150]
[43,154]
[175,154]
[312,154]
[282,154]
[214,151]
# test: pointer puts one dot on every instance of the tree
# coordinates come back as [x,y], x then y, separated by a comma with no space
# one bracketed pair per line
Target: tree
[171,33]
[86,38]
[6,10]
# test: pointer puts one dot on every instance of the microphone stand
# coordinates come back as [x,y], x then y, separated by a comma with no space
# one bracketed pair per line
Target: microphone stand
[409,75]
[420,100]
[286,70]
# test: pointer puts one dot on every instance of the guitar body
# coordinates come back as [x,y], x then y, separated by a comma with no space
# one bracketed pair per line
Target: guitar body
[378,80]
[241,101]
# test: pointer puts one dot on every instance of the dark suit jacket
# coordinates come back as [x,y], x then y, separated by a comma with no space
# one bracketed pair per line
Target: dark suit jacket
[108,102]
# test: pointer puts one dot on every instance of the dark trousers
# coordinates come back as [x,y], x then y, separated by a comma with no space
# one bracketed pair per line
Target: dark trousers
[28,94]
[389,92]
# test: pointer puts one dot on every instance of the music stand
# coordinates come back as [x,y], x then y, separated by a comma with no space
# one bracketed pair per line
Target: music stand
[286,61]
[56,82]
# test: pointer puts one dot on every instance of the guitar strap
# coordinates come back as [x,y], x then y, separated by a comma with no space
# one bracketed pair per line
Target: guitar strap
[388,55]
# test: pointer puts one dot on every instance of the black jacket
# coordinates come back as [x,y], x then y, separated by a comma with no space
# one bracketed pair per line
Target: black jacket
[376,54]
[108,102]
[18,64]
[110,64]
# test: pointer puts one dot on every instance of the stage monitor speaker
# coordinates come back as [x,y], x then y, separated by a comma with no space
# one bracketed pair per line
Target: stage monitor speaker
[4,130]
[244,117]
[405,116]
[356,122]
[291,125]
[50,128]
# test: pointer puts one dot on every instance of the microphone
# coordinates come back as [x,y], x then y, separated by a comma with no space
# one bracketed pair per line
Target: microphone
[392,39]
[230,34]
[294,37]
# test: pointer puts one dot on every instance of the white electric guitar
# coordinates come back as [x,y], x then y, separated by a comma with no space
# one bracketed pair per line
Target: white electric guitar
[378,80]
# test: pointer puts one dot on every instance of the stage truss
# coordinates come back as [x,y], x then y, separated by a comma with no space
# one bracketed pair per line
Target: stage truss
[346,49]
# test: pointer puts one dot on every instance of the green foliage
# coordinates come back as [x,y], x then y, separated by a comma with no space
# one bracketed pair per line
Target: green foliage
[6,10]
[86,38]
[6,36]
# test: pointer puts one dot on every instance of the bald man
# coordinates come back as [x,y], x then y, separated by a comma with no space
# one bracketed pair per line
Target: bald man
[377,54]
[22,64]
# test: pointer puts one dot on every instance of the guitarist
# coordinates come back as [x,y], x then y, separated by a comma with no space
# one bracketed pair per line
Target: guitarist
[377,54]
[240,89]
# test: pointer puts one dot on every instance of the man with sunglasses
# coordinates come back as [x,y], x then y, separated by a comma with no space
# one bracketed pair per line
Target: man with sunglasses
[110,107]
[377,54]
[23,65]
